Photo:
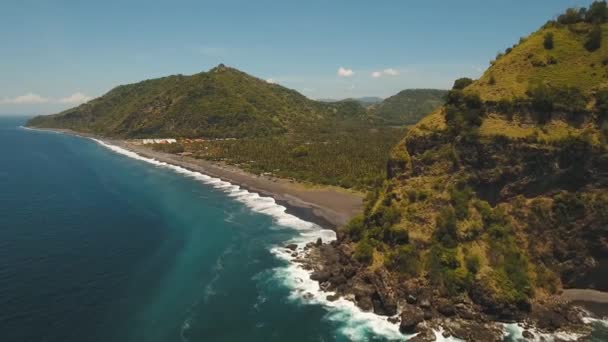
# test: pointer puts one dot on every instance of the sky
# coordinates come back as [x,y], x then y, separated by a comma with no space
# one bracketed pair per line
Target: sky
[57,54]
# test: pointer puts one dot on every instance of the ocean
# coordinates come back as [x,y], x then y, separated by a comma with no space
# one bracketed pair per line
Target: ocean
[99,244]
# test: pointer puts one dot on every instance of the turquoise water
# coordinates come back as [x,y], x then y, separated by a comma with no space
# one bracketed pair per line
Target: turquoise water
[97,245]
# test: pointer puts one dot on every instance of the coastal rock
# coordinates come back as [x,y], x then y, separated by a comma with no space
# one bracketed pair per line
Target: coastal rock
[320,276]
[292,246]
[333,297]
[385,299]
[319,242]
[465,311]
[337,280]
[411,316]
[445,307]
[527,335]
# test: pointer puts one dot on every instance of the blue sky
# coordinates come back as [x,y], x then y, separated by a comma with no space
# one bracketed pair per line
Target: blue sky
[56,54]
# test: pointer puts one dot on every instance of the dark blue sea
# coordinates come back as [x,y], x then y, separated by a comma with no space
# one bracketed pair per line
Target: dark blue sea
[97,244]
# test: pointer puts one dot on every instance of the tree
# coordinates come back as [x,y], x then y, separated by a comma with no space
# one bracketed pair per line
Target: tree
[597,12]
[594,40]
[571,16]
[548,42]
[542,101]
[462,83]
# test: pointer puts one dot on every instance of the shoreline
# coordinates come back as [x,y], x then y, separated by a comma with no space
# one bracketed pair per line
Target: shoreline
[313,212]
[327,206]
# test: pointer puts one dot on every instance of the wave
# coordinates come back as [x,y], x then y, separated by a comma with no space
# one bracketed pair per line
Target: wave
[356,323]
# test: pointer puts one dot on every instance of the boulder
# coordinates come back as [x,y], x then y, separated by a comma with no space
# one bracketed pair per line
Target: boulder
[527,335]
[292,246]
[320,276]
[411,316]
[445,307]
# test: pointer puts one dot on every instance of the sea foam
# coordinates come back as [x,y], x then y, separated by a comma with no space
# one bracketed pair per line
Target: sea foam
[356,324]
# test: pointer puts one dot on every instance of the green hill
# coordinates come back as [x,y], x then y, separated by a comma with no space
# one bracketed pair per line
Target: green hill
[222,102]
[409,106]
[498,199]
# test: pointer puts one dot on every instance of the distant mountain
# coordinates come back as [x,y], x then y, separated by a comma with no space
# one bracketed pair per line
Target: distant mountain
[369,100]
[365,101]
[409,106]
[223,102]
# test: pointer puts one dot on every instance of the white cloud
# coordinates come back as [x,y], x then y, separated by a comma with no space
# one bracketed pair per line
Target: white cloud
[391,72]
[75,98]
[385,72]
[271,81]
[342,72]
[28,98]
[31,98]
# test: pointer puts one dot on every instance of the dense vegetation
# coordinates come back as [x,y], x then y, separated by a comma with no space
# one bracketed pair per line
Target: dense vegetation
[408,106]
[222,102]
[262,127]
[348,159]
[500,195]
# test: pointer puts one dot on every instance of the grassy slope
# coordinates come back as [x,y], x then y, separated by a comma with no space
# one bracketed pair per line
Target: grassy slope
[514,72]
[409,106]
[499,256]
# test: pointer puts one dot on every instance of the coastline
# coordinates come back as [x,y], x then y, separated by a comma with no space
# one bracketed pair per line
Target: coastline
[327,206]
[301,267]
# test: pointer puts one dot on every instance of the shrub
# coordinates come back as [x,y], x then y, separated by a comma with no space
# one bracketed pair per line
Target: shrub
[446,231]
[356,228]
[597,12]
[548,41]
[545,100]
[568,207]
[460,200]
[385,216]
[463,112]
[405,259]
[601,104]
[492,80]
[364,251]
[445,271]
[472,263]
[462,83]
[397,236]
[542,98]
[571,16]
[594,39]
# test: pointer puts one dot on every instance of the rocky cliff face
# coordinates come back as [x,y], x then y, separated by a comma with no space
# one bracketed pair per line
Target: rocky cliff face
[477,228]
[495,202]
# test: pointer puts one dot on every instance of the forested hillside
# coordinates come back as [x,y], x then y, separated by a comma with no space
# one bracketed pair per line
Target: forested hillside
[408,106]
[499,199]
[220,103]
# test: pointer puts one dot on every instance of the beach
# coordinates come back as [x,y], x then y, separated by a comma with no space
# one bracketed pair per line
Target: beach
[327,206]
